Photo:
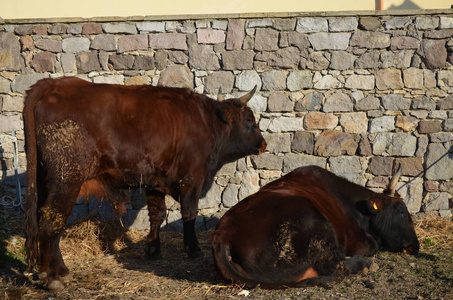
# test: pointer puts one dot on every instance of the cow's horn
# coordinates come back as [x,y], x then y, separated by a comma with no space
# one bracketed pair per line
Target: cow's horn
[244,99]
[394,181]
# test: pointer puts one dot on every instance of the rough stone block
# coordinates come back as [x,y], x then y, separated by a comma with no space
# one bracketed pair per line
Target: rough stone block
[293,161]
[335,143]
[318,120]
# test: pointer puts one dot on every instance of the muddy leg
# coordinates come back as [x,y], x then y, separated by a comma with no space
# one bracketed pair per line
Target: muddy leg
[157,212]
[53,217]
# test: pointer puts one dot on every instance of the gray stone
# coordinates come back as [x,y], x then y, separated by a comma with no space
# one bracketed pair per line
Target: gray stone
[411,193]
[422,146]
[177,76]
[317,61]
[151,26]
[238,60]
[132,42]
[178,57]
[381,166]
[389,79]
[329,41]
[111,79]
[212,199]
[279,102]
[68,62]
[258,104]
[285,58]
[429,126]
[266,39]
[169,41]
[426,22]
[249,184]
[343,24]
[298,39]
[436,201]
[413,78]
[267,161]
[227,169]
[12,103]
[284,24]
[75,29]
[448,125]
[293,161]
[400,59]
[119,28]
[285,124]
[423,103]
[246,80]
[342,60]
[5,86]
[369,23]
[370,40]
[87,62]
[303,142]
[235,34]
[122,61]
[446,22]
[338,102]
[230,195]
[203,57]
[368,60]
[445,78]
[404,42]
[10,123]
[58,29]
[277,142]
[161,59]
[298,80]
[137,219]
[435,53]
[219,82]
[439,162]
[49,45]
[75,44]
[345,165]
[21,83]
[398,22]
[274,80]
[395,102]
[259,23]
[311,101]
[360,82]
[335,143]
[143,62]
[10,58]
[327,82]
[382,124]
[394,144]
[104,42]
[308,25]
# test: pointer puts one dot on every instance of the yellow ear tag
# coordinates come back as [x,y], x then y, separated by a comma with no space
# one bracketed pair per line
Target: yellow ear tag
[375,206]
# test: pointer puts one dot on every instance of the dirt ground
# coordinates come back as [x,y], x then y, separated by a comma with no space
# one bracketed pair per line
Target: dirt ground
[106,262]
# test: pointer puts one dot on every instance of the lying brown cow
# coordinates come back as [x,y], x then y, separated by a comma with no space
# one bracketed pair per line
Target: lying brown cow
[298,230]
[84,138]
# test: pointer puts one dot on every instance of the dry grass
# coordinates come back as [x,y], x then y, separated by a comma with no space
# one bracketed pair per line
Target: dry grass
[435,230]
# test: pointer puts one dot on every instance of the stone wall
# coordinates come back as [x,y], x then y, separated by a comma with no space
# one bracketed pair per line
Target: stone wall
[354,92]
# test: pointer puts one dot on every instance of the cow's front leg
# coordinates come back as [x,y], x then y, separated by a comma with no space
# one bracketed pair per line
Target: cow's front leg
[157,211]
[189,207]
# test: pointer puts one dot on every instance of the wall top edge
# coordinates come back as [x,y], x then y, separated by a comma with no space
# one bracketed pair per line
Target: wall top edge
[232,16]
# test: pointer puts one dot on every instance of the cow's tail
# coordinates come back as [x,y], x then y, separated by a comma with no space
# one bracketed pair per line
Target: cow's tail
[227,267]
[31,215]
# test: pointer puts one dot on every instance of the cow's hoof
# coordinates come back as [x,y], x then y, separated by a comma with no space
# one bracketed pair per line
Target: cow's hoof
[55,285]
[68,277]
[153,253]
[42,275]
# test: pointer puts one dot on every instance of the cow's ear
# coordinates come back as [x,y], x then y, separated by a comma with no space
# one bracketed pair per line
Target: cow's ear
[376,205]
[224,114]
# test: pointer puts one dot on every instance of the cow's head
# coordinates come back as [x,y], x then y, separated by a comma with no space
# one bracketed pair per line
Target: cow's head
[245,137]
[391,223]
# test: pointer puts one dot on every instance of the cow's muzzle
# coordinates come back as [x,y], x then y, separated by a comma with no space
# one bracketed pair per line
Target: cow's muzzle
[262,148]
[412,249]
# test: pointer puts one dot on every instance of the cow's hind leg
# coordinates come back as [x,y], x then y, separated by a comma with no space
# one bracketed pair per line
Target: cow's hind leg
[157,211]
[189,209]
[53,216]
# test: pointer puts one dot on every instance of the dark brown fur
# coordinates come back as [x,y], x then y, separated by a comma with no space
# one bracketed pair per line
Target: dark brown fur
[298,230]
[84,138]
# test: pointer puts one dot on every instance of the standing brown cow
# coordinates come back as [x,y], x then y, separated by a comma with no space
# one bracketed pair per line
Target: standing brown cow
[84,138]
[297,230]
